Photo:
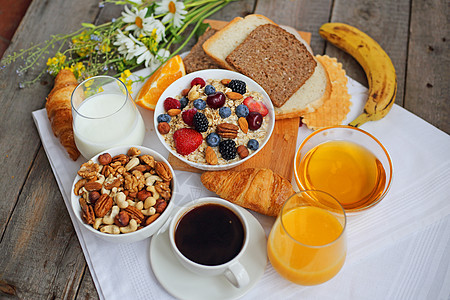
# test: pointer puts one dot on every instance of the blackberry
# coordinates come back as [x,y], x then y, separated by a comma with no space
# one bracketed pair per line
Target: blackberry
[238,86]
[200,121]
[227,149]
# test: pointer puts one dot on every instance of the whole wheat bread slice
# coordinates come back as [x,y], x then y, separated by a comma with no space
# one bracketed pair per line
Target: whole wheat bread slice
[228,38]
[275,59]
[197,59]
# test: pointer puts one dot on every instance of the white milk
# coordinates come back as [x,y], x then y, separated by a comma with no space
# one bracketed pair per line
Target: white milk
[105,121]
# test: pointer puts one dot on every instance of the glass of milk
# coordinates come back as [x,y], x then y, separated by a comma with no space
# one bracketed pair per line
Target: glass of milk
[104,116]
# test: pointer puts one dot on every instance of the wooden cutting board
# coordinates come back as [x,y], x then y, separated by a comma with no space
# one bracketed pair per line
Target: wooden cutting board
[279,152]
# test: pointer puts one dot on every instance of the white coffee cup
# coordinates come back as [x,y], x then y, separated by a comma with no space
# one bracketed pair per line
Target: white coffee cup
[233,270]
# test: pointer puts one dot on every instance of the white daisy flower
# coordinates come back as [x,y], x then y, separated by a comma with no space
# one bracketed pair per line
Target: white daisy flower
[127,46]
[154,28]
[136,19]
[160,56]
[174,9]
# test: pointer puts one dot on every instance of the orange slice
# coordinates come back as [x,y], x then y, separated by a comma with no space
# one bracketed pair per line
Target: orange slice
[154,86]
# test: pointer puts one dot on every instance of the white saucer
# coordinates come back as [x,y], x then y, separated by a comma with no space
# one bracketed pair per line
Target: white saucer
[183,284]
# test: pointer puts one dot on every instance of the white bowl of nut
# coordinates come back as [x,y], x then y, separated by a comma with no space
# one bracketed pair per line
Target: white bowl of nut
[214,119]
[124,194]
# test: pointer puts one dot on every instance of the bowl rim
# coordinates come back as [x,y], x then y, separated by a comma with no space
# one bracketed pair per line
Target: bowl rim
[138,233]
[199,74]
[348,211]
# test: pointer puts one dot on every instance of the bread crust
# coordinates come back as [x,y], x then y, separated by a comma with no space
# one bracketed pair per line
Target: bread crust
[219,35]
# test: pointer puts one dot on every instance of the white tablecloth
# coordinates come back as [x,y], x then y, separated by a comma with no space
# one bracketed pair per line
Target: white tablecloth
[399,249]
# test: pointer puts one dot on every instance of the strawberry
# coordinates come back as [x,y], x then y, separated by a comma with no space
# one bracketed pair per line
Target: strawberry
[257,106]
[171,103]
[198,81]
[188,116]
[187,140]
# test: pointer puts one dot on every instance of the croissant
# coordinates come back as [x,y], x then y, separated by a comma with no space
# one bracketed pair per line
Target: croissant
[260,190]
[59,111]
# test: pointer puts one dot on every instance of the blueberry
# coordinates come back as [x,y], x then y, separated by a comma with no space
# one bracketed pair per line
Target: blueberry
[242,110]
[224,112]
[183,101]
[163,118]
[213,139]
[199,104]
[253,144]
[209,89]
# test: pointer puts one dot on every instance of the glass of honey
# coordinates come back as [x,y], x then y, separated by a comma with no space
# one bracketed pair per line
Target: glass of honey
[346,162]
[307,244]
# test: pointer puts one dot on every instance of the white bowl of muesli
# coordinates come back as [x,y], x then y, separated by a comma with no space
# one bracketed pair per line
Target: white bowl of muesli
[124,194]
[214,119]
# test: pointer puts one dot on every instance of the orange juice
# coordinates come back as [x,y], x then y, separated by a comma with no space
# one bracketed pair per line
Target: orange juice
[309,247]
[347,171]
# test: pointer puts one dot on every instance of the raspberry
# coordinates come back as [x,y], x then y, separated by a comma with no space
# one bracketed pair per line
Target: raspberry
[238,86]
[198,81]
[200,121]
[187,140]
[171,103]
[188,116]
[227,149]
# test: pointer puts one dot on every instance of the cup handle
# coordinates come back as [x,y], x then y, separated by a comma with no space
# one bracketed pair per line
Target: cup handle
[237,275]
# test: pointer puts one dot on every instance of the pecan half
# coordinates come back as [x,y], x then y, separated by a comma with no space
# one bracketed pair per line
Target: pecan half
[163,171]
[92,186]
[122,158]
[87,213]
[103,205]
[135,214]
[116,182]
[227,130]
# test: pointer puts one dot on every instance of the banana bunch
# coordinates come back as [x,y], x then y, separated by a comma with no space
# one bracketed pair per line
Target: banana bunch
[376,63]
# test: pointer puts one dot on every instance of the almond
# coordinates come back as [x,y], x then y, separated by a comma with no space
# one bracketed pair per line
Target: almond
[210,156]
[225,81]
[234,96]
[173,112]
[243,124]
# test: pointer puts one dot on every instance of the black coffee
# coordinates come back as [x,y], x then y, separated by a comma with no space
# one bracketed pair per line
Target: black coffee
[210,234]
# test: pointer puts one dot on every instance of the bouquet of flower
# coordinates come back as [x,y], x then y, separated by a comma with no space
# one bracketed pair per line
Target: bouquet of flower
[143,35]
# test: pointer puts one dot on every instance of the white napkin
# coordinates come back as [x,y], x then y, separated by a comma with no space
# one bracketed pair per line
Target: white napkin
[399,249]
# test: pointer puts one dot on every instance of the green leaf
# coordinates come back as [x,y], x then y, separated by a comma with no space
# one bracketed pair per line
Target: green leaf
[201,29]
[88,25]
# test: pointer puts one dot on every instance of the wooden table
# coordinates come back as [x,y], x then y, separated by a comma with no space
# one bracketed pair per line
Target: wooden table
[41,255]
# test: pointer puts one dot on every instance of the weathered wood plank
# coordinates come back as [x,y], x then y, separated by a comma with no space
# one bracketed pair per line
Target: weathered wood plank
[427,82]
[87,289]
[44,257]
[19,140]
[386,22]
[302,15]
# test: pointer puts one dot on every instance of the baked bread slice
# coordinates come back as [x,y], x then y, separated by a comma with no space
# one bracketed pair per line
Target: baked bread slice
[310,96]
[275,59]
[223,42]
[197,59]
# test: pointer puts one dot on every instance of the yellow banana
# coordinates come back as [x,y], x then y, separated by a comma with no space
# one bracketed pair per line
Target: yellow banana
[376,63]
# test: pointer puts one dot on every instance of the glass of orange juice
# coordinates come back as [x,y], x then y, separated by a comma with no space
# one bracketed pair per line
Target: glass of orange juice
[346,162]
[307,244]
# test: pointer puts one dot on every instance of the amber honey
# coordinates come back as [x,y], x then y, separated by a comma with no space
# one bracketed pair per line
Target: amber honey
[347,171]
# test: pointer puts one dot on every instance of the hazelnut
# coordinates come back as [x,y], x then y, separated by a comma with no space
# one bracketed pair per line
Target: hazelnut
[93,196]
[143,194]
[163,127]
[185,92]
[122,219]
[105,159]
[242,151]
